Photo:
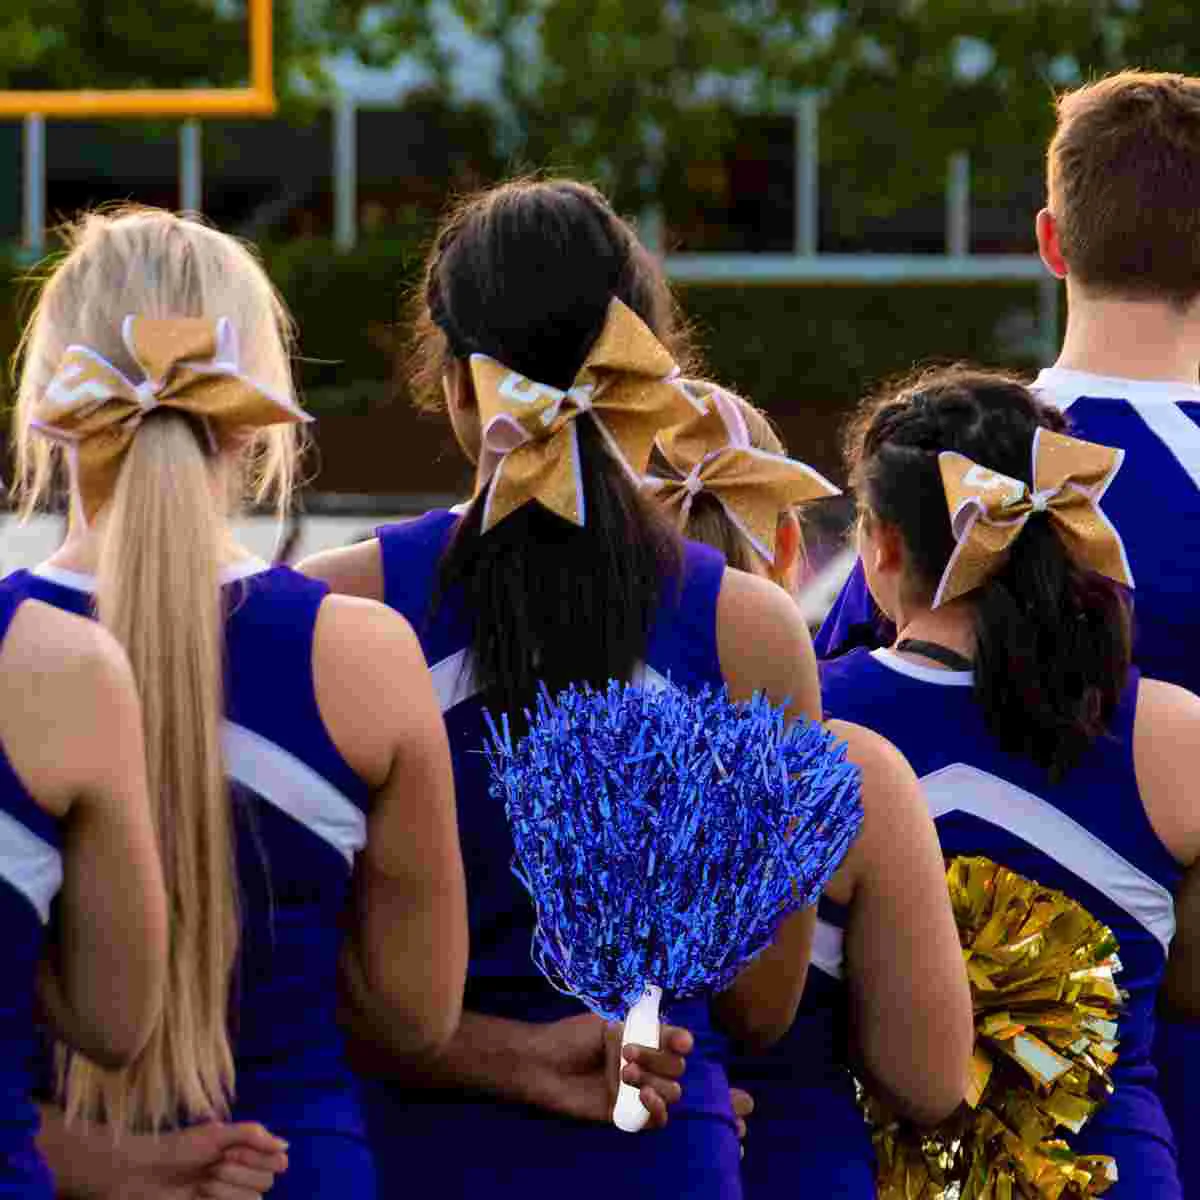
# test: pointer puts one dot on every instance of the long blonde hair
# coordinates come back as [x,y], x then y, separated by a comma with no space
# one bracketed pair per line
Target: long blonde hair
[158,590]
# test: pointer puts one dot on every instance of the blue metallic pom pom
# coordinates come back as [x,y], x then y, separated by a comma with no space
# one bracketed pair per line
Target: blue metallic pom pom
[663,836]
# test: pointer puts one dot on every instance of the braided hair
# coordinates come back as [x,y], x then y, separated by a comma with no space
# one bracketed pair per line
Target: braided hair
[524,273]
[1052,641]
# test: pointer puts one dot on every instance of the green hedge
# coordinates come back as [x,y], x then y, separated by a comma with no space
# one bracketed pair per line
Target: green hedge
[804,353]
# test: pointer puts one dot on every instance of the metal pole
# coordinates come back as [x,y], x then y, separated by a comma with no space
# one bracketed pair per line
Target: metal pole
[191,167]
[958,204]
[807,177]
[1048,335]
[650,227]
[345,172]
[34,190]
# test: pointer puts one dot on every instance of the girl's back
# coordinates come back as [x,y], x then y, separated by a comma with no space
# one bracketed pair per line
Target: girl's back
[1086,835]
[697,1153]
[300,817]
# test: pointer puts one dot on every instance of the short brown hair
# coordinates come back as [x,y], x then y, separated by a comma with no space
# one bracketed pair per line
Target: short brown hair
[1123,178]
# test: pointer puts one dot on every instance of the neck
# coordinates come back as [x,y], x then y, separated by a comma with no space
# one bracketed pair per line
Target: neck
[1131,339]
[80,549]
[951,625]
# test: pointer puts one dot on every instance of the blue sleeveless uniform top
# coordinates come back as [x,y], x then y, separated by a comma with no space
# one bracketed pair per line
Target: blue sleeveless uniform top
[300,817]
[1087,836]
[1154,501]
[513,1148]
[30,878]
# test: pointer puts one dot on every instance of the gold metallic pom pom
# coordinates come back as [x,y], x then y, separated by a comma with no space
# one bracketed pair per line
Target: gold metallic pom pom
[1046,1007]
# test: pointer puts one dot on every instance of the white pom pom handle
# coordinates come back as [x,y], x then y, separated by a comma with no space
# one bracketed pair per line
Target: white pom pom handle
[642,1028]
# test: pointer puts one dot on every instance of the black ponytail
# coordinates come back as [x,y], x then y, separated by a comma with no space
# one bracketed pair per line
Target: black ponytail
[525,273]
[1052,641]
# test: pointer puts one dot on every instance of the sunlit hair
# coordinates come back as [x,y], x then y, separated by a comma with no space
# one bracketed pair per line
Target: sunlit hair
[1121,177]
[158,590]
[708,522]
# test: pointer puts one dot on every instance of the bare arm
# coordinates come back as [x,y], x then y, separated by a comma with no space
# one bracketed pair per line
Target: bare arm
[910,1001]
[234,1162]
[568,1066]
[765,647]
[102,984]
[379,705]
[349,570]
[562,1066]
[1166,745]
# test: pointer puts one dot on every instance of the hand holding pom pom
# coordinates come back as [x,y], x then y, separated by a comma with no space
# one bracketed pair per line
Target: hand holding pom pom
[663,837]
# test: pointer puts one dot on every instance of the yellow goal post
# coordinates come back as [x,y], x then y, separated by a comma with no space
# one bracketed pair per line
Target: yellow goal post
[257,100]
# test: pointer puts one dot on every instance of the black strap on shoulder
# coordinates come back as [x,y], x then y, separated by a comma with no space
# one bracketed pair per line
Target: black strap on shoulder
[938,653]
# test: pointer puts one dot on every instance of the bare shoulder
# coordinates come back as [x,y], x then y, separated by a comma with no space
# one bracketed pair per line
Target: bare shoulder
[71,719]
[351,570]
[1166,749]
[1161,704]
[361,630]
[371,682]
[764,644]
[51,645]
[872,752]
[754,606]
[894,808]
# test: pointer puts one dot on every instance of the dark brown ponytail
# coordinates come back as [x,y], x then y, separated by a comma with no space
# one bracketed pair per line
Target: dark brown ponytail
[1052,642]
[524,273]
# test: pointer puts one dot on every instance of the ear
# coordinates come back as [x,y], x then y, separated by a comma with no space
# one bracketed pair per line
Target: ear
[884,545]
[787,549]
[457,388]
[1048,244]
[462,408]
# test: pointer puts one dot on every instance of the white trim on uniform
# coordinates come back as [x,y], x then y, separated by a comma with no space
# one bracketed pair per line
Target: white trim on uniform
[293,787]
[966,789]
[1061,387]
[902,666]
[29,864]
[827,953]
[1155,401]
[80,582]
[454,679]
[1176,430]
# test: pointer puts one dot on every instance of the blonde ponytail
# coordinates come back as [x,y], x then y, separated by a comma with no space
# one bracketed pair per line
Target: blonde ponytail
[162,534]
[158,591]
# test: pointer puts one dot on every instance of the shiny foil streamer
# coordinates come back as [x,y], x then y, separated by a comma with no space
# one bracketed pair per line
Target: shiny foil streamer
[663,836]
[1046,1006]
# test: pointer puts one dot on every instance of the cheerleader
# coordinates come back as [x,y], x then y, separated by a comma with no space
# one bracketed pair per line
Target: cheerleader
[546,327]
[73,806]
[291,736]
[1009,688]
[726,480]
[1119,229]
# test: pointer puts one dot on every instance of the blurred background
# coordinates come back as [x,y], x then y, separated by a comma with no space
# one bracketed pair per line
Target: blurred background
[840,190]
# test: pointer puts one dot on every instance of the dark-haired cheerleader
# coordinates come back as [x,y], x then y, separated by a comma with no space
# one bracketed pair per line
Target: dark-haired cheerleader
[1009,688]
[547,327]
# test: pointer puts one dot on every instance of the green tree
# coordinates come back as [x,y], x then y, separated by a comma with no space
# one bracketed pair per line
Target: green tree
[613,88]
[128,44]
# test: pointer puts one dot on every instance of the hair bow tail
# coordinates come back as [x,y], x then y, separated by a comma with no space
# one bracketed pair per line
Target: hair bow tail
[545,471]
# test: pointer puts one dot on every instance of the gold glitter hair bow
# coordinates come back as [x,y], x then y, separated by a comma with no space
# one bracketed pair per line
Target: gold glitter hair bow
[988,510]
[712,453]
[189,364]
[628,384]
